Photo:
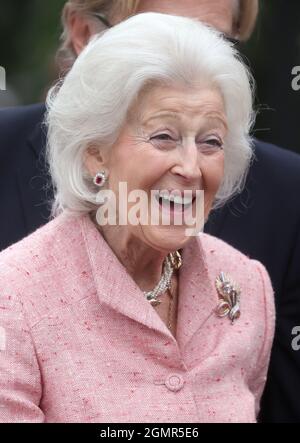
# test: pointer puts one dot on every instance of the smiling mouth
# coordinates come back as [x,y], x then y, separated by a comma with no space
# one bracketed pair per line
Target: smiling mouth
[176,204]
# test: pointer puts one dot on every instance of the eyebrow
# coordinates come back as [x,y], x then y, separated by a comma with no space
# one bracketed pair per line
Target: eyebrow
[210,116]
[171,114]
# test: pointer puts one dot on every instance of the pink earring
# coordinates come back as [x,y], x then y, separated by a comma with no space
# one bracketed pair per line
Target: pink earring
[100,179]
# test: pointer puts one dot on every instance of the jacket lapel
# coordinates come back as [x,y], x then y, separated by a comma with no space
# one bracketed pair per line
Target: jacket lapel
[116,288]
[198,297]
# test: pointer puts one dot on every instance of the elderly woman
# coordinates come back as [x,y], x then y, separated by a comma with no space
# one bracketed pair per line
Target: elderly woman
[103,320]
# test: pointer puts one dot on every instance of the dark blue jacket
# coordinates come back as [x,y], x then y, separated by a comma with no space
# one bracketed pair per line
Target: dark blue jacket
[263,222]
[23,179]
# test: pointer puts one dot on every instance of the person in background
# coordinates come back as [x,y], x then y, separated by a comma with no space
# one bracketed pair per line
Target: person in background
[267,209]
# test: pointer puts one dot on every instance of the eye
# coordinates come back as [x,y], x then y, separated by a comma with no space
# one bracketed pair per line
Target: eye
[211,145]
[161,137]
[214,142]
[163,141]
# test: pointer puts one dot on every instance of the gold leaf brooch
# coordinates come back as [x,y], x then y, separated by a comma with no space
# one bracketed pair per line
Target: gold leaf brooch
[229,295]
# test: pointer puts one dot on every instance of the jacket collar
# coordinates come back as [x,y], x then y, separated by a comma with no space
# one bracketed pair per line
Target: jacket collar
[116,288]
[37,138]
[34,184]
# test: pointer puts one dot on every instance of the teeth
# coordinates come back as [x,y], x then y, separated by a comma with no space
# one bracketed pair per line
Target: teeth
[177,199]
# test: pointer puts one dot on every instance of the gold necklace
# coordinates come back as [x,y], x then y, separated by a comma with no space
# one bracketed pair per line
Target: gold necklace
[169,321]
[177,263]
[170,310]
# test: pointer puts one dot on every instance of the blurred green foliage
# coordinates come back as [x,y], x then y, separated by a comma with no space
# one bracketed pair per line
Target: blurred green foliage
[29,34]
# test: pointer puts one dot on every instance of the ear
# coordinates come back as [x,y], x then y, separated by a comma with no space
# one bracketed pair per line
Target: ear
[81,29]
[95,160]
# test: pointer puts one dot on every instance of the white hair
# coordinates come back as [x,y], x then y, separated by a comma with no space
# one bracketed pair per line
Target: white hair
[90,106]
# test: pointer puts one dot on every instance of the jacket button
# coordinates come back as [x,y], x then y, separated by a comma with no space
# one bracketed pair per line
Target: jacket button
[174,382]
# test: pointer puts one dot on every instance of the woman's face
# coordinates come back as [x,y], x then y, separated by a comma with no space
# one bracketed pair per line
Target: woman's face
[172,141]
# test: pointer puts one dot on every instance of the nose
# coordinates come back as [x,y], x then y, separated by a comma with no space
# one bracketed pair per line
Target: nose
[188,163]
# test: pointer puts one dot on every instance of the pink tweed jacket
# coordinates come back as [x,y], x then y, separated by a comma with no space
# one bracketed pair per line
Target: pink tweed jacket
[79,343]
